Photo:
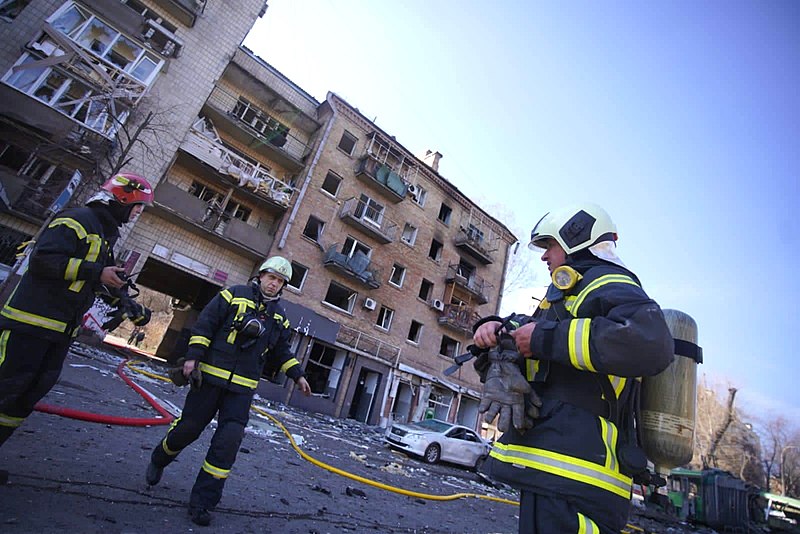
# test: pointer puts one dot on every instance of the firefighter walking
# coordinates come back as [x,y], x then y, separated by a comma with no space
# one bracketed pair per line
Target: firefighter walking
[242,331]
[70,264]
[570,449]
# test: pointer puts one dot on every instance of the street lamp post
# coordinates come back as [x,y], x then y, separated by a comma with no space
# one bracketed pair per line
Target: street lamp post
[783,453]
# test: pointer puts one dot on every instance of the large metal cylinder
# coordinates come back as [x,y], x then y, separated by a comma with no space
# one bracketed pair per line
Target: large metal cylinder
[669,399]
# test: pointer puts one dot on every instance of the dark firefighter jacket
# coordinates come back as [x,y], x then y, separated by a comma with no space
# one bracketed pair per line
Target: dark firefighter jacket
[228,358]
[63,274]
[608,326]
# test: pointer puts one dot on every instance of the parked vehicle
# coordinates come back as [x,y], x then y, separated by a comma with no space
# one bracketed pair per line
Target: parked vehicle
[435,440]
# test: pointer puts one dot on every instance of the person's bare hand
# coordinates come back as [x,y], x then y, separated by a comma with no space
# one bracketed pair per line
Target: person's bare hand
[485,336]
[109,277]
[302,384]
[522,338]
[188,367]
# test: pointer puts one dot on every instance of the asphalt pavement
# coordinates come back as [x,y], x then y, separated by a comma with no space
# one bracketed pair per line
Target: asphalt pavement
[68,475]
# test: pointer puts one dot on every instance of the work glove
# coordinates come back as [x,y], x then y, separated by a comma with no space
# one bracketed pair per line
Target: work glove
[506,392]
[195,378]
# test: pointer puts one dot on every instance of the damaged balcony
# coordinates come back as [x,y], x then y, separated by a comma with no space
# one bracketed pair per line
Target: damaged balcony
[458,317]
[212,220]
[185,11]
[358,340]
[374,172]
[204,143]
[365,217]
[471,240]
[358,266]
[255,128]
[468,281]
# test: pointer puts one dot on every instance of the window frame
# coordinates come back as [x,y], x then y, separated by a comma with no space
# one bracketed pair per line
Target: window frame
[349,136]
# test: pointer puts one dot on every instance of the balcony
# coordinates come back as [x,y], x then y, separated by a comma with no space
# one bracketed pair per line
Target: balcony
[193,214]
[256,129]
[471,240]
[358,340]
[358,214]
[186,11]
[390,183]
[356,266]
[459,318]
[203,143]
[470,282]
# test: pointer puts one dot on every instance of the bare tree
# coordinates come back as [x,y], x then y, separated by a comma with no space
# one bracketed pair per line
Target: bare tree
[775,438]
[711,457]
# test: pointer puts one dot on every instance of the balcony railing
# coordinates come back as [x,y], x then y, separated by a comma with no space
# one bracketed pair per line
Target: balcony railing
[356,266]
[380,174]
[358,213]
[233,233]
[472,241]
[358,340]
[470,281]
[203,143]
[460,318]
[258,125]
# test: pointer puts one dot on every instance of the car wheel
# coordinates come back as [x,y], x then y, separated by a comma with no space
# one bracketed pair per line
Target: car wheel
[432,453]
[479,463]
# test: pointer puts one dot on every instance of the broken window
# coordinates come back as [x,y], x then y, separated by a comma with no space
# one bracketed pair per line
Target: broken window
[347,143]
[9,9]
[435,252]
[421,195]
[313,229]
[352,245]
[324,369]
[445,212]
[425,289]
[299,273]
[414,332]
[409,234]
[449,347]
[385,318]
[398,275]
[331,183]
[369,210]
[341,297]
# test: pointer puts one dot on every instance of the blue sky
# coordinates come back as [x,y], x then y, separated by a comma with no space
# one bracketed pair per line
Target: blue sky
[681,118]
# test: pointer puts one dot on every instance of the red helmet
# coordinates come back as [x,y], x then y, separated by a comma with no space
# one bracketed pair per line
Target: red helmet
[129,189]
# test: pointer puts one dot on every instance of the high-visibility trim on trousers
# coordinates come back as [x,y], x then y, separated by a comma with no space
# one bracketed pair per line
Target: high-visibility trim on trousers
[215,472]
[564,466]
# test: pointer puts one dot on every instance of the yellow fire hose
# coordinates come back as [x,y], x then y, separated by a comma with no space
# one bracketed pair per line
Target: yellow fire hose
[361,479]
[341,472]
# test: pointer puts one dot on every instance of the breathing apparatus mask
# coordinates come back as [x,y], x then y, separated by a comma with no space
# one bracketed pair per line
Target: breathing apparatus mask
[249,326]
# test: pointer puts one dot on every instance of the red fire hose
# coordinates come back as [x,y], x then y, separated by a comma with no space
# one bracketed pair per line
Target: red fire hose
[113,419]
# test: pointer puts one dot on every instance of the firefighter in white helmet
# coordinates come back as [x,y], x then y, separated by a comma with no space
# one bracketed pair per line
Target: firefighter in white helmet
[595,332]
[239,334]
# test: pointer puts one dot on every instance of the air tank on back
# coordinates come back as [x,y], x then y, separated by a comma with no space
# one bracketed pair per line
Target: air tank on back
[669,399]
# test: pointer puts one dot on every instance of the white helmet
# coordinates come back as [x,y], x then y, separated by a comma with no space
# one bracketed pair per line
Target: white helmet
[574,228]
[278,266]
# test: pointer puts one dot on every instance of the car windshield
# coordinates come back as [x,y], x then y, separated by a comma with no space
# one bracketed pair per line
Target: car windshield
[433,424]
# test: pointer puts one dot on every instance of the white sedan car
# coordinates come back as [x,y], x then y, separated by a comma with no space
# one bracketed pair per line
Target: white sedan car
[436,440]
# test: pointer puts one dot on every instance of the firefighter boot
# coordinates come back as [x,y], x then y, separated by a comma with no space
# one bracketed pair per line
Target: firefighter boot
[153,474]
[200,516]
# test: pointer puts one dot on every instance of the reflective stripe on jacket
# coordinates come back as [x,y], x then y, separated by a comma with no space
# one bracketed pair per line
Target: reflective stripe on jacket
[606,325]
[230,359]
[63,274]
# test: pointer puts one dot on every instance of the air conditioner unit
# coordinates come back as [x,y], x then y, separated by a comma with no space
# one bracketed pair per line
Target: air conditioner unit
[370,303]
[413,190]
[437,304]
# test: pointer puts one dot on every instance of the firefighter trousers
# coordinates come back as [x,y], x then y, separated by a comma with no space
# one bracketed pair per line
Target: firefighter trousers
[233,411]
[545,514]
[29,368]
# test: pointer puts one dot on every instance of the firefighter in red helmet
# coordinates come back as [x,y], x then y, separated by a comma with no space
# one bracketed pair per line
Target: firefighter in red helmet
[71,263]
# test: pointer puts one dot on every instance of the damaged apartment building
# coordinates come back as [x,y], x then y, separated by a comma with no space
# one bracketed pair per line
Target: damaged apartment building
[392,264]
